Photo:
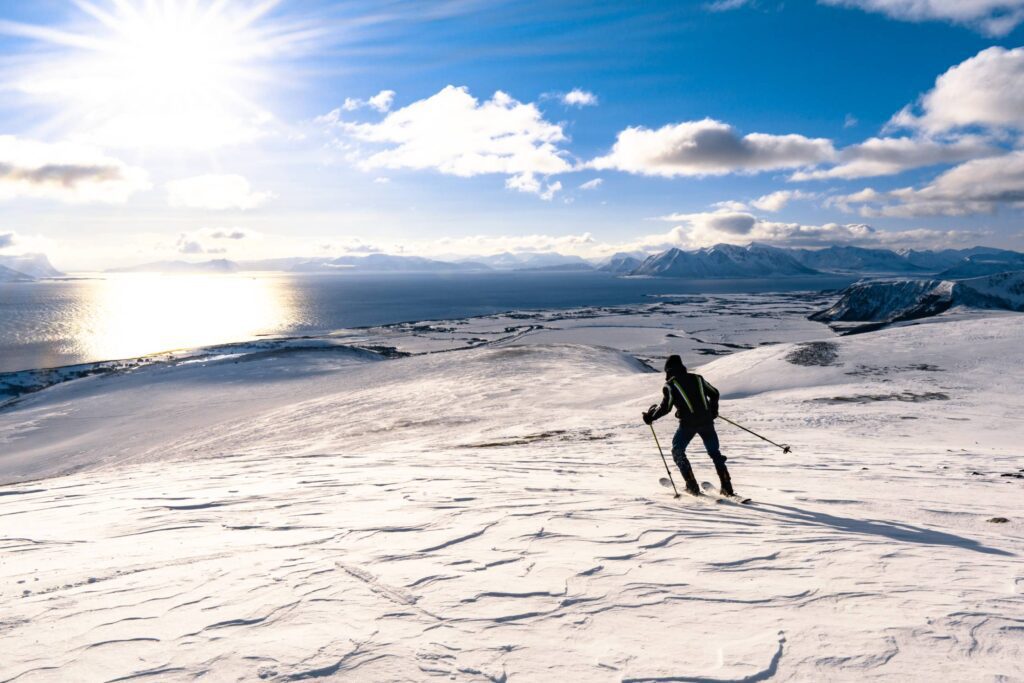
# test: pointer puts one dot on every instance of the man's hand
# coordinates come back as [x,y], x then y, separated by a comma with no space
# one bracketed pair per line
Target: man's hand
[648,415]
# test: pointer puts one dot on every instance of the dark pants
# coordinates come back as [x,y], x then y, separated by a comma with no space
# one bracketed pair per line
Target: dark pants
[684,435]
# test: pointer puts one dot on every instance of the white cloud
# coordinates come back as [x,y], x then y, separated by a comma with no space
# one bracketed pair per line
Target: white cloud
[726,5]
[549,191]
[986,90]
[776,201]
[65,172]
[228,234]
[994,17]
[977,186]
[382,180]
[733,227]
[592,184]
[454,133]
[732,205]
[187,245]
[709,147]
[889,156]
[850,121]
[528,182]
[217,192]
[579,98]
[198,241]
[382,102]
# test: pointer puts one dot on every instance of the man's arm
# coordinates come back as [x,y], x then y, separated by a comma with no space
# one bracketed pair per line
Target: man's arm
[662,409]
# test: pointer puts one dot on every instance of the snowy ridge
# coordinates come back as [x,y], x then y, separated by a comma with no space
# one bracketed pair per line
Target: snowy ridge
[10,275]
[894,301]
[31,265]
[18,383]
[494,514]
[723,260]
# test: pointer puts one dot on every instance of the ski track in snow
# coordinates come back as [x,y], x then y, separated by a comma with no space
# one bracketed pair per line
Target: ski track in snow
[495,515]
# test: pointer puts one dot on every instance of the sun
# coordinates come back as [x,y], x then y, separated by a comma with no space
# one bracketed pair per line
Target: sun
[184,74]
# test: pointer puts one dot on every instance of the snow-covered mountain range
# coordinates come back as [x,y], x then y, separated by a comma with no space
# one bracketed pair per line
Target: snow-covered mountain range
[8,275]
[760,260]
[723,260]
[897,300]
[26,267]
[383,263]
[622,263]
[719,261]
[183,267]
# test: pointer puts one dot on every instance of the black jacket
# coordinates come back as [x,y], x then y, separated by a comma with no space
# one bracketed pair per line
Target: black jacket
[695,400]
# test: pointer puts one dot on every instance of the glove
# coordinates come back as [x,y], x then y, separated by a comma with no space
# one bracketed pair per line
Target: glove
[649,414]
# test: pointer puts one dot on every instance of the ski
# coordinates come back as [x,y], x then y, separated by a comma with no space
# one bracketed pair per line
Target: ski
[682,492]
[712,490]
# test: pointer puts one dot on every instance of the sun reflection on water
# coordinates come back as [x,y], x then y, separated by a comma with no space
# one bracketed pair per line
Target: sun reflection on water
[136,314]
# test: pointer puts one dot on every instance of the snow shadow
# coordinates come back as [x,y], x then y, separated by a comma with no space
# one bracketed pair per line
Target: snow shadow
[895,531]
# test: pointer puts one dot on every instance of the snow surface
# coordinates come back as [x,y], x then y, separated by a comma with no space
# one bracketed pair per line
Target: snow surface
[492,511]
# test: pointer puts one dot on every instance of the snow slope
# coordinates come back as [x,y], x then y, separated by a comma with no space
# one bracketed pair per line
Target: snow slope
[493,514]
[32,265]
[855,259]
[9,275]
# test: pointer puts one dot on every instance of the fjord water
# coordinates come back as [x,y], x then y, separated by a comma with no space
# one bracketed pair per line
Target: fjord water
[61,322]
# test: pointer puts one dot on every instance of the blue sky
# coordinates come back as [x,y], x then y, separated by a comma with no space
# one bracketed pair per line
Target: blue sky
[136,130]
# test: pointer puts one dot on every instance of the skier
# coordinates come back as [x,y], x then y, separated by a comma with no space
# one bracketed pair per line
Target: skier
[696,403]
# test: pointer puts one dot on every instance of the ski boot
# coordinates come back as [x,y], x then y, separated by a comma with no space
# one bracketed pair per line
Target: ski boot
[691,481]
[723,476]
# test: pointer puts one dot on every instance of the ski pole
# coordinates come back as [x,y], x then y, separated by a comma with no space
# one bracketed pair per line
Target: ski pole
[785,449]
[662,454]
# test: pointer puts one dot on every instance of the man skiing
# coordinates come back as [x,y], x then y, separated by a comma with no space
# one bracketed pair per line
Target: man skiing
[696,403]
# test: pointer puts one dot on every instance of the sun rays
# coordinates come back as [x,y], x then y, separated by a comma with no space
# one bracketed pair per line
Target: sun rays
[181,74]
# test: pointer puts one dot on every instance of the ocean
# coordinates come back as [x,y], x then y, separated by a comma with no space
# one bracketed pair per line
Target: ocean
[66,321]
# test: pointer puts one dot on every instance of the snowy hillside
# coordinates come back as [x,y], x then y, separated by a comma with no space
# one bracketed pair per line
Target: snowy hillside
[723,260]
[33,265]
[621,264]
[493,513]
[855,260]
[984,264]
[893,301]
[9,275]
[384,263]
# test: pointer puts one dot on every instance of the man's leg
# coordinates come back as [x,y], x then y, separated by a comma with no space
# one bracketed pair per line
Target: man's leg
[680,441]
[710,438]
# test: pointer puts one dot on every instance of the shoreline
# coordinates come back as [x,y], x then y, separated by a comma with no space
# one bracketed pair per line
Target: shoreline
[44,327]
[18,383]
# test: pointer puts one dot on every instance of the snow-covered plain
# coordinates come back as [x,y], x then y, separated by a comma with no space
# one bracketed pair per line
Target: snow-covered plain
[488,508]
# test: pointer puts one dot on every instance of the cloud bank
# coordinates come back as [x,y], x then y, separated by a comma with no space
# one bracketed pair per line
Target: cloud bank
[454,133]
[65,172]
[993,17]
[709,147]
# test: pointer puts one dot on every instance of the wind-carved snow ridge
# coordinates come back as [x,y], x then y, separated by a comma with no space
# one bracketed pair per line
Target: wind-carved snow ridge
[495,514]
